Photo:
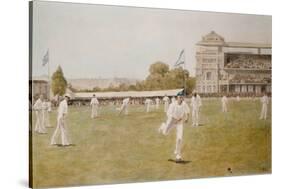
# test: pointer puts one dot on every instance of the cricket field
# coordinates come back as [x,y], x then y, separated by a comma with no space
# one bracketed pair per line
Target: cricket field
[128,148]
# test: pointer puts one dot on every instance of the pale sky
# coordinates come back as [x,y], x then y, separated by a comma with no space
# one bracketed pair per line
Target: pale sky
[92,41]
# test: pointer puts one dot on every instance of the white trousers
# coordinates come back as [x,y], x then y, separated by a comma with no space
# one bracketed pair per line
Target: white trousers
[46,118]
[39,125]
[62,131]
[147,108]
[165,128]
[94,111]
[166,106]
[263,112]
[195,116]
[224,108]
[124,108]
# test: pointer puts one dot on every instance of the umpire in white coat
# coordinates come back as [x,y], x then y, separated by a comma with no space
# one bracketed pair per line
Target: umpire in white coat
[61,124]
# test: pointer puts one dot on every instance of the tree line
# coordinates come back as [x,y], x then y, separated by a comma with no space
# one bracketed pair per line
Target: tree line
[160,77]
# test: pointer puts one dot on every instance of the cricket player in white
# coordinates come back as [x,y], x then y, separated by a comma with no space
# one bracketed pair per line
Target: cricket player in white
[94,104]
[224,102]
[187,110]
[46,111]
[238,98]
[176,116]
[157,102]
[166,103]
[61,124]
[147,103]
[124,106]
[169,116]
[195,105]
[39,111]
[264,102]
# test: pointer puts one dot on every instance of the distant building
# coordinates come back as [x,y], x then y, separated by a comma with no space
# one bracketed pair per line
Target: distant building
[39,86]
[231,67]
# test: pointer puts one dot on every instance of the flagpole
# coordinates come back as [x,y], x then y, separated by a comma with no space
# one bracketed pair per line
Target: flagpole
[49,67]
[49,75]
[184,78]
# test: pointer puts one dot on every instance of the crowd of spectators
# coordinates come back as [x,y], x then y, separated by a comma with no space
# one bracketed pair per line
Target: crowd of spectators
[260,62]
[249,78]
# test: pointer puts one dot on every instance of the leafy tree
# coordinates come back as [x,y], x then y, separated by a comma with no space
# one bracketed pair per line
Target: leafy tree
[160,78]
[176,77]
[158,68]
[123,87]
[140,86]
[132,88]
[59,83]
[190,84]
[97,89]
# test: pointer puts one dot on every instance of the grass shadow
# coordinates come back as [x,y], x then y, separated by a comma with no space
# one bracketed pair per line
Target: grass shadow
[179,161]
[60,145]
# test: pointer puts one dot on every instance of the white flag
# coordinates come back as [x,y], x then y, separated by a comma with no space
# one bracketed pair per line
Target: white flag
[180,59]
[45,59]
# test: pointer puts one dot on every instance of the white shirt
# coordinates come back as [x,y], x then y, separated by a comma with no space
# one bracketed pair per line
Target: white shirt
[196,102]
[224,100]
[63,108]
[94,101]
[38,105]
[147,101]
[178,111]
[49,106]
[238,98]
[157,100]
[126,101]
[264,100]
[171,108]
[166,99]
[45,106]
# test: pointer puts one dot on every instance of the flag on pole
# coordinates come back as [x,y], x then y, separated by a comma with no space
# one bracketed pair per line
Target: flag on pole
[180,60]
[45,59]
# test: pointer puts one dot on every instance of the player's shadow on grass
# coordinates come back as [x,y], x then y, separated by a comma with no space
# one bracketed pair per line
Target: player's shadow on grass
[199,125]
[179,161]
[65,146]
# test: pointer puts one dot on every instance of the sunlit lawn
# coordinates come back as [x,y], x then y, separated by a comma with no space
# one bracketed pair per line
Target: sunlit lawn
[117,149]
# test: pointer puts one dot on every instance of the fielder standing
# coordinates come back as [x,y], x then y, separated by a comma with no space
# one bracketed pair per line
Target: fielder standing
[264,102]
[224,102]
[39,111]
[61,124]
[94,104]
[166,103]
[195,105]
[147,103]
[157,102]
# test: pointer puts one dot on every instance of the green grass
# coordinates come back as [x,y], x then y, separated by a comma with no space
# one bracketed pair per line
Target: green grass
[117,149]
